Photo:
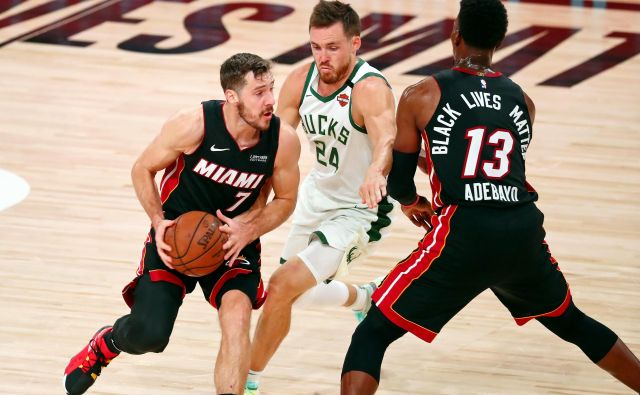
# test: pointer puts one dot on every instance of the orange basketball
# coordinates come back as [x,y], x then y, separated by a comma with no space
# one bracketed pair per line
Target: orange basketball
[196,243]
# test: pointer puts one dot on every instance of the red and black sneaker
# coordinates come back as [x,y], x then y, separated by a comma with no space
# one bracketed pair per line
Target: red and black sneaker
[83,369]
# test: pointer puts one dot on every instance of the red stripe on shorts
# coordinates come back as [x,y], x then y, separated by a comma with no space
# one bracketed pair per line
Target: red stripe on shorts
[554,313]
[223,279]
[414,266]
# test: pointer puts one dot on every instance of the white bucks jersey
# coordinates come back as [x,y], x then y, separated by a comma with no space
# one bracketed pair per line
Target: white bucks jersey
[342,149]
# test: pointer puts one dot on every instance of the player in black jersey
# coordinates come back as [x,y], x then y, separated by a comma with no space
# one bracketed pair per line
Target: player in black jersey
[486,231]
[217,158]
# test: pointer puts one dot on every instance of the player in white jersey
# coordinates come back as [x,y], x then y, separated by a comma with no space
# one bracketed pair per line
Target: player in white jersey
[347,111]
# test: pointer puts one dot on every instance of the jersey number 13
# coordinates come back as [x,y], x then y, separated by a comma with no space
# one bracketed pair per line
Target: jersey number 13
[496,168]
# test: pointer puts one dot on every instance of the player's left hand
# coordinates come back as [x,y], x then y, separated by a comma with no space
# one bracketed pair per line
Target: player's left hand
[419,213]
[374,187]
[239,234]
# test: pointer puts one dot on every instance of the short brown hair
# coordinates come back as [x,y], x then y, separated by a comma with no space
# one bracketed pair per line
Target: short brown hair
[326,13]
[234,69]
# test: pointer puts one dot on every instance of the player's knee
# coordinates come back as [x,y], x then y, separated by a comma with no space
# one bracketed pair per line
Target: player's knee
[284,285]
[149,336]
[235,310]
[573,326]
[369,344]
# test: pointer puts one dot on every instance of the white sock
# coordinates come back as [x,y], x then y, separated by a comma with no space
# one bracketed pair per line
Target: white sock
[253,379]
[335,293]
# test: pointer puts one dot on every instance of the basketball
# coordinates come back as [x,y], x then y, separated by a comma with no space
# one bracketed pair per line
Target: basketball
[196,243]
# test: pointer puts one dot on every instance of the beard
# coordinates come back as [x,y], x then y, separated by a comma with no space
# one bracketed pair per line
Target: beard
[333,76]
[255,121]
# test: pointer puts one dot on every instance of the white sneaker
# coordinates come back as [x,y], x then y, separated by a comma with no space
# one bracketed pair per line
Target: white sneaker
[368,288]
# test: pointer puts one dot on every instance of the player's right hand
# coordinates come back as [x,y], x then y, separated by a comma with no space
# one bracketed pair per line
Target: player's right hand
[419,213]
[163,247]
[374,187]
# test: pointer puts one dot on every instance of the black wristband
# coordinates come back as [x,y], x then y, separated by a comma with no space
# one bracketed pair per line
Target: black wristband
[400,184]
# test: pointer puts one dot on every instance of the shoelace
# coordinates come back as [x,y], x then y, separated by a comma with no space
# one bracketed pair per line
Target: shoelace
[100,358]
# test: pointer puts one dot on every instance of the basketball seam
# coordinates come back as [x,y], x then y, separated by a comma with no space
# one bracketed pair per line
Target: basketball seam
[192,237]
[207,250]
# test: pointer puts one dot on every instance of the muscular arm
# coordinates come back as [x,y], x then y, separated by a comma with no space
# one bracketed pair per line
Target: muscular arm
[374,107]
[290,95]
[417,105]
[181,133]
[257,206]
[285,179]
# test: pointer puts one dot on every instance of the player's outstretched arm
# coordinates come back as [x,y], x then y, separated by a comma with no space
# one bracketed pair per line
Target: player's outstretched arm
[182,133]
[373,99]
[285,179]
[291,95]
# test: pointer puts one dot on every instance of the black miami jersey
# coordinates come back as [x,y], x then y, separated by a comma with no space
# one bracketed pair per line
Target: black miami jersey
[219,175]
[477,140]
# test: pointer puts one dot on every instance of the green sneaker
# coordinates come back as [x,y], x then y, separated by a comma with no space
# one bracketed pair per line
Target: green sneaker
[251,389]
[369,288]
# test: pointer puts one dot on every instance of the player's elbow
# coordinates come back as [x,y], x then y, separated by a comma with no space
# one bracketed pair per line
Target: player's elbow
[139,171]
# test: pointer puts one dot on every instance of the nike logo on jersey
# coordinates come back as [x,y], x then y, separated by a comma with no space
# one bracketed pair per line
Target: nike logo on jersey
[214,149]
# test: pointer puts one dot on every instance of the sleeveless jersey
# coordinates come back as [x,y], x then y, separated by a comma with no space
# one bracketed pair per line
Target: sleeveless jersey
[219,175]
[342,149]
[476,141]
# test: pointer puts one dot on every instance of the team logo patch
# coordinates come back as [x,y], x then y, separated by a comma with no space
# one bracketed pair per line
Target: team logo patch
[343,99]
[240,260]
[353,253]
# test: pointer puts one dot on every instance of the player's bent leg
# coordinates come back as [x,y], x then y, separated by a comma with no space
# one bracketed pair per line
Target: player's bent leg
[361,368]
[288,282]
[232,364]
[149,326]
[146,328]
[335,293]
[599,343]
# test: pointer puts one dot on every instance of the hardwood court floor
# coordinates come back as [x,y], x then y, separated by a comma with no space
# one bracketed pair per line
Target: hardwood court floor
[80,98]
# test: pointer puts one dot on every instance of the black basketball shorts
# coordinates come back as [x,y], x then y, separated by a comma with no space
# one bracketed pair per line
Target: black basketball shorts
[468,250]
[243,275]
